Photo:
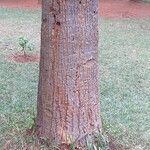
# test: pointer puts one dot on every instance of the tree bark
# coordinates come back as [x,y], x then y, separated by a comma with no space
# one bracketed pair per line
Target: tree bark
[68,95]
[39,1]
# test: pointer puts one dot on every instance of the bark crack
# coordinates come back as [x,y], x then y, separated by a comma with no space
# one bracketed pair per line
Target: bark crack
[90,62]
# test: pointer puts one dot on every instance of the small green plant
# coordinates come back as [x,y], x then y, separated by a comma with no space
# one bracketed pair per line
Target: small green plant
[72,145]
[100,142]
[25,45]
[30,47]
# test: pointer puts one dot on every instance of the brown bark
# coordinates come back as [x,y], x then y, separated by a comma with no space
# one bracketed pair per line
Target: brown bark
[39,1]
[68,96]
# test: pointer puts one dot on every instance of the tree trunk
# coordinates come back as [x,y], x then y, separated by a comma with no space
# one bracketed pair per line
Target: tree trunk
[68,96]
[39,1]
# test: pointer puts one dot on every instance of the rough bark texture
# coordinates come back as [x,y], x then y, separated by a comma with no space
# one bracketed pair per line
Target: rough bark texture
[68,97]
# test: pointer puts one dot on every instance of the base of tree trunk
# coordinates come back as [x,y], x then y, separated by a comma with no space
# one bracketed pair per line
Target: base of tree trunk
[92,141]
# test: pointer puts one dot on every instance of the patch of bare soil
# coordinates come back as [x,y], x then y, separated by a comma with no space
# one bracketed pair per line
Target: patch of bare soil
[20,58]
[20,3]
[124,9]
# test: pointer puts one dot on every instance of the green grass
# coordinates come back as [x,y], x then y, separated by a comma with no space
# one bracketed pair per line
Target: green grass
[125,78]
[148,1]
[18,82]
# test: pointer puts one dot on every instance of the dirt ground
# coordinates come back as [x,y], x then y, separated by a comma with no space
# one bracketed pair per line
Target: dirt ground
[19,3]
[107,8]
[18,58]
[123,9]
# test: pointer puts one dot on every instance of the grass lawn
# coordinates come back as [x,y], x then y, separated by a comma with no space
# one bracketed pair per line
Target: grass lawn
[125,78]
[18,82]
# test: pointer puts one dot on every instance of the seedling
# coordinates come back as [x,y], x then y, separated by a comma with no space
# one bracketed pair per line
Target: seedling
[25,45]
